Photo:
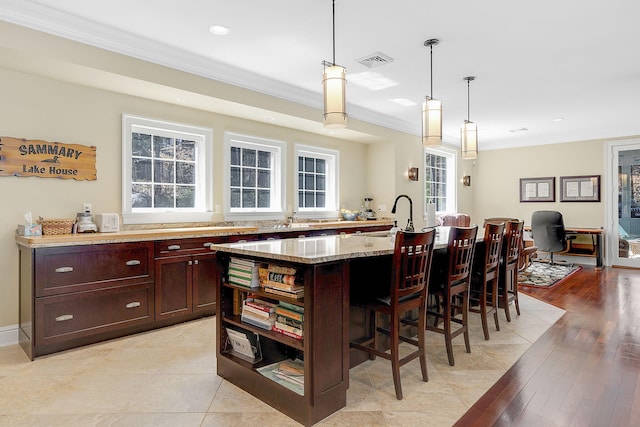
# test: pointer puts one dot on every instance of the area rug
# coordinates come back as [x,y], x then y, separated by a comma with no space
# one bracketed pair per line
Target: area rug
[544,275]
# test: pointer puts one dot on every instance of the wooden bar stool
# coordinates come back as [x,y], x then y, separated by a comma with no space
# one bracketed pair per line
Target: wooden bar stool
[508,283]
[483,297]
[450,289]
[408,291]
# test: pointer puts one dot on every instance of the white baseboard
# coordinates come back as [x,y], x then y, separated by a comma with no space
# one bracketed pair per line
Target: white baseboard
[8,335]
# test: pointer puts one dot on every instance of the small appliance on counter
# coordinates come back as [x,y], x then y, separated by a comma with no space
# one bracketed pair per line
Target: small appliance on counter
[108,222]
[367,212]
[84,223]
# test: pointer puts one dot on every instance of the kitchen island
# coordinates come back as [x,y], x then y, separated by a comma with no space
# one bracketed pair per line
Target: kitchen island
[330,268]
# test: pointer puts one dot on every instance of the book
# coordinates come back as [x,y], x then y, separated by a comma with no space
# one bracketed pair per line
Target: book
[283,293]
[292,307]
[244,346]
[243,261]
[288,373]
[291,314]
[289,322]
[246,283]
[281,269]
[260,304]
[249,318]
[280,285]
[287,279]
[288,331]
[247,309]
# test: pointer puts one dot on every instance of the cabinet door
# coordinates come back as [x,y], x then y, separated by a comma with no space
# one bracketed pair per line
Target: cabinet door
[174,286]
[204,282]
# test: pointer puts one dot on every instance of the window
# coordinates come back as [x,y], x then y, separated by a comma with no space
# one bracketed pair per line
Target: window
[253,178]
[316,182]
[167,173]
[440,187]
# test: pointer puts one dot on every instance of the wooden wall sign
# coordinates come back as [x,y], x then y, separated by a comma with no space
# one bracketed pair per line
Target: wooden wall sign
[23,157]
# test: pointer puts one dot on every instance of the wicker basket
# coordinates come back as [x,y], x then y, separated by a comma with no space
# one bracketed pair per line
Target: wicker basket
[56,226]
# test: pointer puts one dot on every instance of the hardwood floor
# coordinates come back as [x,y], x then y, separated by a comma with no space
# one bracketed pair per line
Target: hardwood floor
[584,371]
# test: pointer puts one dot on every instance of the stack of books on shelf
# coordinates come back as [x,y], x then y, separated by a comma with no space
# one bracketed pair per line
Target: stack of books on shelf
[243,272]
[289,320]
[258,312]
[289,373]
[280,281]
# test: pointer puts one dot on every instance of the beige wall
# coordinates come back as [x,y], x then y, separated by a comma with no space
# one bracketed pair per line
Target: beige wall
[35,107]
[495,181]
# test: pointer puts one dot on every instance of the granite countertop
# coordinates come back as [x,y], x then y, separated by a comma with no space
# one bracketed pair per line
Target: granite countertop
[180,233]
[318,250]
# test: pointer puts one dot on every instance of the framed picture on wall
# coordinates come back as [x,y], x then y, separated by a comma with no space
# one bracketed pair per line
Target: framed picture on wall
[585,188]
[538,189]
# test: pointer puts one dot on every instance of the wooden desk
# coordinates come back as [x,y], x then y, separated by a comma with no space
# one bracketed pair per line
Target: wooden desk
[597,236]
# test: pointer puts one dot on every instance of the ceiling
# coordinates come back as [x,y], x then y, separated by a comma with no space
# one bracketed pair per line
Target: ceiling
[546,72]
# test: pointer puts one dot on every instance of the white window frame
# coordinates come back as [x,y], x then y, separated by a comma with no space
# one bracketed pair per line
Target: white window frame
[452,184]
[204,172]
[332,197]
[278,149]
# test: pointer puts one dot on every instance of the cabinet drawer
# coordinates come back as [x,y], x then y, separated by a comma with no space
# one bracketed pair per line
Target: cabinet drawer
[77,315]
[175,247]
[80,268]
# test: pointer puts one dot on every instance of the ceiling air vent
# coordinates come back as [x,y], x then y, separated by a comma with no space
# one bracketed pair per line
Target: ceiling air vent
[375,60]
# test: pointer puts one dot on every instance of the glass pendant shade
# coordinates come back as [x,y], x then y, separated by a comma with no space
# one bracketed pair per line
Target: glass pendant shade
[334,84]
[431,122]
[469,138]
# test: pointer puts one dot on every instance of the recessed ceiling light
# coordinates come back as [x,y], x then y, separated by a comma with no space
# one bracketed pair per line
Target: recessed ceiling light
[558,119]
[219,30]
[403,101]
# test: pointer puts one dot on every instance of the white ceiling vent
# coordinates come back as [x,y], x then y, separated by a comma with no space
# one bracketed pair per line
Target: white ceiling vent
[375,60]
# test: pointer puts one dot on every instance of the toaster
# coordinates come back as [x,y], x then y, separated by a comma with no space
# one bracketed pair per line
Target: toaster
[107,222]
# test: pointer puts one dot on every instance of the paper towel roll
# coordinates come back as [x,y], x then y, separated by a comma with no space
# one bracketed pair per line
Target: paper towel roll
[431,215]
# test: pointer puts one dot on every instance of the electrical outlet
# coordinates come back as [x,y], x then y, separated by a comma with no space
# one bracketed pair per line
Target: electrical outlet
[86,207]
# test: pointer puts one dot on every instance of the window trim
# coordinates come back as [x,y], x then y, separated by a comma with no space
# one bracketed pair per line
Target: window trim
[205,177]
[333,181]
[279,167]
[452,190]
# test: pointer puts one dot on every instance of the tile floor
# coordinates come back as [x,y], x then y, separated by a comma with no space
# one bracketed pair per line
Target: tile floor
[168,377]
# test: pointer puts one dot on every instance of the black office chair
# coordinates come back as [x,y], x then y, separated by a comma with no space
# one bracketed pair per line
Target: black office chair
[547,230]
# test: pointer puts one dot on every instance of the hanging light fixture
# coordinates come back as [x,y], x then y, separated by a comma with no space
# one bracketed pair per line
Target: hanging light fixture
[469,131]
[431,109]
[334,82]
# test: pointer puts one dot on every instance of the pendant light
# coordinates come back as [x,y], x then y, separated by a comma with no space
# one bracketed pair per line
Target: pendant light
[469,131]
[334,82]
[431,109]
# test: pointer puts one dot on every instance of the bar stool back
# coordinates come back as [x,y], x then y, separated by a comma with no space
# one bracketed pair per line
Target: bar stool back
[508,283]
[483,297]
[408,291]
[450,292]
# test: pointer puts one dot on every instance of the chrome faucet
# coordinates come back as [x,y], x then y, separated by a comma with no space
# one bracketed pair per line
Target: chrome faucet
[409,226]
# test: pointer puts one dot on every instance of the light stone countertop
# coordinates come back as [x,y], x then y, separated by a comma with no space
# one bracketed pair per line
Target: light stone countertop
[322,249]
[124,236]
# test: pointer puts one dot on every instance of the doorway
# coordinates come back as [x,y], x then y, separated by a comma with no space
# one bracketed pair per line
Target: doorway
[623,212]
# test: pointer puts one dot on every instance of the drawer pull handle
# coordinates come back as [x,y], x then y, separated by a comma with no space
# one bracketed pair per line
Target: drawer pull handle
[207,244]
[196,262]
[64,269]
[133,262]
[64,317]
[173,247]
[133,304]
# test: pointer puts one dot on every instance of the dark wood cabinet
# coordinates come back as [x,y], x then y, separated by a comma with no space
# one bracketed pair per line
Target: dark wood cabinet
[185,278]
[72,296]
